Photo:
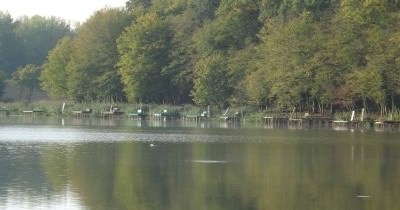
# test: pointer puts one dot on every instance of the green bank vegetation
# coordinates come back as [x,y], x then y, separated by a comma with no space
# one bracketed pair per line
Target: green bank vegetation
[321,56]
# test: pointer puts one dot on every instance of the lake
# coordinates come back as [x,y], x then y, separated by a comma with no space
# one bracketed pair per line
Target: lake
[127,164]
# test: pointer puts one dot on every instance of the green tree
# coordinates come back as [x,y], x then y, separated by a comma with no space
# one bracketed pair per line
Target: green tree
[2,83]
[392,67]
[366,84]
[10,48]
[234,28]
[54,75]
[38,35]
[258,88]
[240,64]
[93,73]
[298,64]
[138,7]
[203,10]
[28,78]
[211,85]
[179,70]
[144,50]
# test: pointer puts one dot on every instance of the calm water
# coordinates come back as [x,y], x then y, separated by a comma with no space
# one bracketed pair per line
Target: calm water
[84,164]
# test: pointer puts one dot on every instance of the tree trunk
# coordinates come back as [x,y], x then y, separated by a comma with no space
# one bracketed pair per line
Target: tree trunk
[30,94]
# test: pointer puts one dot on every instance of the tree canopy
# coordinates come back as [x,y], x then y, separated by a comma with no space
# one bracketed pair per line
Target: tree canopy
[92,68]
[314,55]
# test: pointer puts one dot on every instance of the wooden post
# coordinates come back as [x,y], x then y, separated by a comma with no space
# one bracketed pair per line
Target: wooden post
[291,115]
[62,108]
[362,114]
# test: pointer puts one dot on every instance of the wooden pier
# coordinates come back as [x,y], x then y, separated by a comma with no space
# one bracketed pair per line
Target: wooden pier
[113,111]
[282,121]
[228,116]
[196,117]
[164,115]
[82,113]
[387,124]
[110,114]
[139,114]
[276,121]
[4,112]
[295,123]
[32,113]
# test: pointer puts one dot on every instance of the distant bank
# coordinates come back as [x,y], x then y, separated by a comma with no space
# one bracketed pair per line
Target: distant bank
[13,92]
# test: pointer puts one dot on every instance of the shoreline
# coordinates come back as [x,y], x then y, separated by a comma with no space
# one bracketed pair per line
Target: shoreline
[197,114]
[125,121]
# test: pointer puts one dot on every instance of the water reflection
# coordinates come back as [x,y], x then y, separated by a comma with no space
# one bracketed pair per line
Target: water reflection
[25,184]
[77,168]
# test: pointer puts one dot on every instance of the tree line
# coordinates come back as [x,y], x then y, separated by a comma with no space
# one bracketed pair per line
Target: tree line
[314,55]
[24,46]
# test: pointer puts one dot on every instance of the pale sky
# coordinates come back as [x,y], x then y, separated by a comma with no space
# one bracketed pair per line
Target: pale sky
[69,10]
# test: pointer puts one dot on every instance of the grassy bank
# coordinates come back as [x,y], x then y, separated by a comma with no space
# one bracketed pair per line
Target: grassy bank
[248,114]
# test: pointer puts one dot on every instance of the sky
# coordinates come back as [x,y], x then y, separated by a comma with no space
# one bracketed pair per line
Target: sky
[72,11]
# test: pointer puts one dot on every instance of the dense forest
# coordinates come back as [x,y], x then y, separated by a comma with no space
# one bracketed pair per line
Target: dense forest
[313,55]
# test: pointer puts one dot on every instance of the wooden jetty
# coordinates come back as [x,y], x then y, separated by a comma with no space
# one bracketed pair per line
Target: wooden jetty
[139,114]
[165,115]
[4,112]
[353,123]
[32,113]
[386,124]
[296,122]
[392,123]
[318,120]
[196,117]
[228,116]
[113,111]
[108,114]
[343,124]
[276,121]
[82,113]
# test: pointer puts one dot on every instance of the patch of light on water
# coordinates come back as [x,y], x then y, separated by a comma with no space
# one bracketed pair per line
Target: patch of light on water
[70,135]
[17,200]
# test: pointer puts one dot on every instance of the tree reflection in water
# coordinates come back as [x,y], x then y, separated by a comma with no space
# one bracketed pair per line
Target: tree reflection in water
[302,170]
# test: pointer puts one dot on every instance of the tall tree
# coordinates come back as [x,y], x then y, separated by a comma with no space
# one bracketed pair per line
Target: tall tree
[179,70]
[235,26]
[211,85]
[28,78]
[10,48]
[144,49]
[54,75]
[38,35]
[93,73]
[203,10]
[138,8]
[2,83]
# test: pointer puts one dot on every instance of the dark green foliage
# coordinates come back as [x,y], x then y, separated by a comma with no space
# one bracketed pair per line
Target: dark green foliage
[38,35]
[144,50]
[318,55]
[235,27]
[2,83]
[205,9]
[211,83]
[28,78]
[54,76]
[92,70]
[10,47]
[138,7]
[28,40]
